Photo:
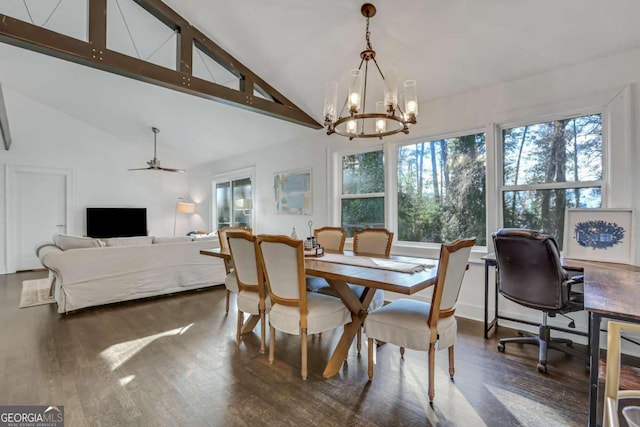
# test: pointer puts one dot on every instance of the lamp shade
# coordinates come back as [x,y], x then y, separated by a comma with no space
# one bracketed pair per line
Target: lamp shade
[184,207]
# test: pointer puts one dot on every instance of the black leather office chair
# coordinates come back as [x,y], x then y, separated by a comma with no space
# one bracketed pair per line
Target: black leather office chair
[530,274]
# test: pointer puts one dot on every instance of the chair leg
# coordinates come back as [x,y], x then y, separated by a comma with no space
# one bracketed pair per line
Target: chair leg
[272,343]
[452,369]
[262,331]
[432,355]
[402,352]
[226,308]
[370,358]
[359,343]
[239,324]
[303,352]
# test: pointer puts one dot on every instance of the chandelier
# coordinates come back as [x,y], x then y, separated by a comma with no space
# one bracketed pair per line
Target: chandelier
[388,118]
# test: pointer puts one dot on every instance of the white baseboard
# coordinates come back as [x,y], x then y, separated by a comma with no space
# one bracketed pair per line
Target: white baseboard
[3,269]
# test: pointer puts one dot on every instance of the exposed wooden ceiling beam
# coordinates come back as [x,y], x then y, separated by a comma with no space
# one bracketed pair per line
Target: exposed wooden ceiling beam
[5,135]
[94,53]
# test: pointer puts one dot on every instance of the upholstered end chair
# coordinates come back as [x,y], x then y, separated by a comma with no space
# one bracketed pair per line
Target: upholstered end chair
[294,310]
[230,282]
[423,326]
[251,293]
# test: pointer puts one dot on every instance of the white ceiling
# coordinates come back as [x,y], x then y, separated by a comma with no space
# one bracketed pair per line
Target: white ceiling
[448,46]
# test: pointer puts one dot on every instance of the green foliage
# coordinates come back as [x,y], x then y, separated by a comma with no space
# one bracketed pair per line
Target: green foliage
[562,151]
[442,190]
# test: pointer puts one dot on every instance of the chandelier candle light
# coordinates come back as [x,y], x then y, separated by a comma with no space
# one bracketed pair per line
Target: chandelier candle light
[388,118]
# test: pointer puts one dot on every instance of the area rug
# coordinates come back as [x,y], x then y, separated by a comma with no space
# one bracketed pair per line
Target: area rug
[35,292]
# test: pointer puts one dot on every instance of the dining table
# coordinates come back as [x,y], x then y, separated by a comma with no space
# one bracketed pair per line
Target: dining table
[400,274]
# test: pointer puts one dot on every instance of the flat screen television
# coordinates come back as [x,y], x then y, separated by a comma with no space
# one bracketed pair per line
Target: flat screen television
[116,222]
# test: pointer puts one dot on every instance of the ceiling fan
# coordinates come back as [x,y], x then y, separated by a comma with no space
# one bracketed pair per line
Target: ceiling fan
[154,164]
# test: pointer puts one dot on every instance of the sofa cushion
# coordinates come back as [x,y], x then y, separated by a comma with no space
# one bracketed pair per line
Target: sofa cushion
[179,239]
[130,241]
[203,237]
[66,242]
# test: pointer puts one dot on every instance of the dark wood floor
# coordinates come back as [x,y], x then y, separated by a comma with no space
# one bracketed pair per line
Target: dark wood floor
[173,361]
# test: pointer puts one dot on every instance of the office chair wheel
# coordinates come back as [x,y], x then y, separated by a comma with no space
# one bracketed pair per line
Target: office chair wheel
[501,347]
[542,368]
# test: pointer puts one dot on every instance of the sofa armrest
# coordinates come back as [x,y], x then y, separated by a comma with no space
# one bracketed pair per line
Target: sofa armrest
[42,249]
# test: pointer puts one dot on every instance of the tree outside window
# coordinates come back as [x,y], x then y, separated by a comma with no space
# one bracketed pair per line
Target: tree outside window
[362,199]
[548,167]
[442,190]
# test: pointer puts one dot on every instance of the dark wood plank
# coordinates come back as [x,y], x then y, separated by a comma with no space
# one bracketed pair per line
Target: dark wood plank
[173,361]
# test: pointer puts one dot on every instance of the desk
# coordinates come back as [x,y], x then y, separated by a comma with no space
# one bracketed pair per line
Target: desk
[610,290]
[338,275]
[611,293]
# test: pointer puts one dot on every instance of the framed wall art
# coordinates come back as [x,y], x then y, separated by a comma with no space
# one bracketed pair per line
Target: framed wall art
[292,192]
[598,235]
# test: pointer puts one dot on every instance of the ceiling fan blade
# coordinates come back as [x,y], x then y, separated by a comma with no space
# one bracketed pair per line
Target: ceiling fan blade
[154,164]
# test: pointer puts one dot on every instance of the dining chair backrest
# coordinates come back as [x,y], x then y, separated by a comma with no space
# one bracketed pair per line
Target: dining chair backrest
[283,260]
[451,268]
[372,241]
[331,238]
[246,264]
[222,234]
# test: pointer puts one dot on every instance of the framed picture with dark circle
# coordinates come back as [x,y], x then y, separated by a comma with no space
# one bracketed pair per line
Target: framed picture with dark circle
[599,235]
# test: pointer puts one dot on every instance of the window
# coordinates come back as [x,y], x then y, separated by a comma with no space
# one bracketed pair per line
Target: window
[362,195]
[233,200]
[548,167]
[442,190]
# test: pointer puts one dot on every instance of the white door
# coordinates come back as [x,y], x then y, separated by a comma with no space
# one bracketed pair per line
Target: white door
[38,209]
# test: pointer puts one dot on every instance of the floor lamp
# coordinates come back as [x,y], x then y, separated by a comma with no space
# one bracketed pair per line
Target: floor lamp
[182,207]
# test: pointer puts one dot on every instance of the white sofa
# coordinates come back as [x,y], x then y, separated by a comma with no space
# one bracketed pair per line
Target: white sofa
[89,272]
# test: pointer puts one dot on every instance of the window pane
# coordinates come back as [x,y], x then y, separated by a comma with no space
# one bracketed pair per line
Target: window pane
[544,210]
[223,210]
[441,190]
[567,150]
[242,202]
[363,173]
[362,213]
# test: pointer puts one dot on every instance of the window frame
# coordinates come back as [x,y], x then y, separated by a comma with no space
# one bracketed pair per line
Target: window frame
[494,174]
[393,178]
[500,186]
[337,183]
[230,176]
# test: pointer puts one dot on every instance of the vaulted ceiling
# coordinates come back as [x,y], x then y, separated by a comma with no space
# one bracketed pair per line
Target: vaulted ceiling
[449,47]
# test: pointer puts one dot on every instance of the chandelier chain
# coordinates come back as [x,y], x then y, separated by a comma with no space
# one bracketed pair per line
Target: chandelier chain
[368,35]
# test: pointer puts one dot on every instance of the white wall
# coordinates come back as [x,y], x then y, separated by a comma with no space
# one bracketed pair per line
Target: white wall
[606,83]
[44,137]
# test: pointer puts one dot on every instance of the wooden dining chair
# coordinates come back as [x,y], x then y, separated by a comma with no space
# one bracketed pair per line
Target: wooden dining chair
[612,392]
[251,297]
[230,282]
[372,241]
[331,239]
[294,310]
[366,242]
[418,325]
